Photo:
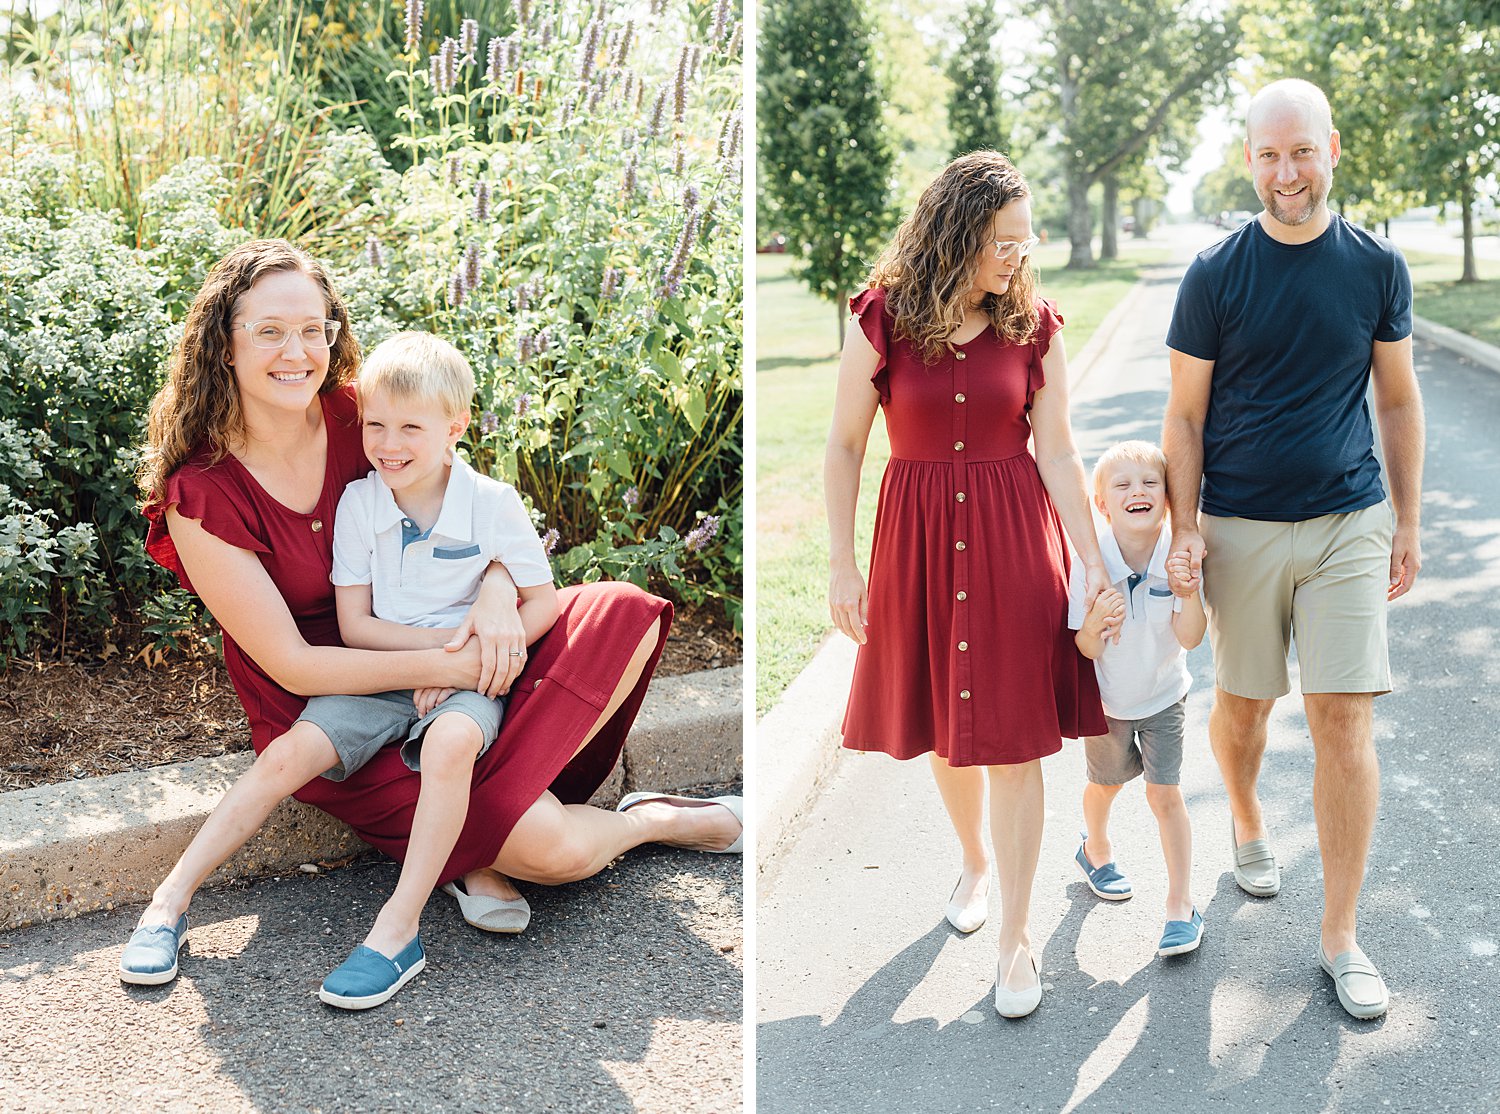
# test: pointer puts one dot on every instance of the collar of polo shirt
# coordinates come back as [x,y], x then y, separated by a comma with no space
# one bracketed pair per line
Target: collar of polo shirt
[455,521]
[1114,560]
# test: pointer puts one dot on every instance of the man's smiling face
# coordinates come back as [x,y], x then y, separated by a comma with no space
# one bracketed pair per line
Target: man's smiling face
[1292,162]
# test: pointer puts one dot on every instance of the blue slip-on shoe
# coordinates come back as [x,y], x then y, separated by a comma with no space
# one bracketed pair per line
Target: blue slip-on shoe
[1181,937]
[150,957]
[1105,881]
[368,978]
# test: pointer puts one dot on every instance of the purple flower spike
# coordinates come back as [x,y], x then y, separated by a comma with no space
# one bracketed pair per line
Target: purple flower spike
[702,534]
[523,404]
[468,38]
[489,421]
[631,497]
[550,540]
[413,24]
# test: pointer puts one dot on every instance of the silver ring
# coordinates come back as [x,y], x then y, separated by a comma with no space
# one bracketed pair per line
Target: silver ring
[515,653]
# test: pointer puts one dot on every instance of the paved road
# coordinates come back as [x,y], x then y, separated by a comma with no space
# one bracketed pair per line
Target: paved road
[867,1001]
[623,995]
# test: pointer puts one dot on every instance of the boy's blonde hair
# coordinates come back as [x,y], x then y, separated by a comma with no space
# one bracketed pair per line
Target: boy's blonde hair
[1137,452]
[419,366]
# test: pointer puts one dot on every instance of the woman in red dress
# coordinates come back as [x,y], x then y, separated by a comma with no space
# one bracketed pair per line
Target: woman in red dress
[249,450]
[964,649]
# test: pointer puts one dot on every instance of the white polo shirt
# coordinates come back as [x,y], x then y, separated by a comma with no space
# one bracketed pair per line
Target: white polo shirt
[432,579]
[1146,671]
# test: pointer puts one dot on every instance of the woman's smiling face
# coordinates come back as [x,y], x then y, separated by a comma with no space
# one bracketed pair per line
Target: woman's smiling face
[288,377]
[1011,225]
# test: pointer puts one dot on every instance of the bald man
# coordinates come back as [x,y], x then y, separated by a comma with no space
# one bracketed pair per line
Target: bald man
[1277,496]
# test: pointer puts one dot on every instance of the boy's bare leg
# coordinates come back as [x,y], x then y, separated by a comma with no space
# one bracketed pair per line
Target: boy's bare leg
[962,791]
[1237,731]
[1176,846]
[1346,797]
[449,748]
[288,763]
[1097,801]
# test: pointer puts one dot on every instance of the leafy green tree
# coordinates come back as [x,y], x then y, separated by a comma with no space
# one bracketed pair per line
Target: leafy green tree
[1227,186]
[974,104]
[1113,72]
[823,146]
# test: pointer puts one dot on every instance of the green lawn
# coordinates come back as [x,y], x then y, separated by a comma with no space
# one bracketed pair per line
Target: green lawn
[796,368]
[1472,308]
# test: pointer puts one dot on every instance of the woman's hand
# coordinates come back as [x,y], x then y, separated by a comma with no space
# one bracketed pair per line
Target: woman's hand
[848,603]
[1095,582]
[500,636]
[495,623]
[429,698]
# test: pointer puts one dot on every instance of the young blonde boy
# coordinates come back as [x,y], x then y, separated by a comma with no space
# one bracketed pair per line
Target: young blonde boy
[411,543]
[1138,634]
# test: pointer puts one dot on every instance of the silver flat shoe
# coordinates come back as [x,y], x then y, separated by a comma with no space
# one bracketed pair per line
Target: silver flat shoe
[736,806]
[1362,991]
[493,914]
[1017,1003]
[1255,869]
[970,916]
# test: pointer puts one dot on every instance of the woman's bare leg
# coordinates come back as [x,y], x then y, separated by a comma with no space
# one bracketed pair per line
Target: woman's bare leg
[962,791]
[554,843]
[1016,813]
[288,763]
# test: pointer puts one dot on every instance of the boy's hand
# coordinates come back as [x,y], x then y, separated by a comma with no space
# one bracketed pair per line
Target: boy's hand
[429,698]
[1184,576]
[1105,618]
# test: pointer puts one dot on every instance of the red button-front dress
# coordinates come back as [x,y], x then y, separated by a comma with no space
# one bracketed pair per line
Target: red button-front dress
[968,652]
[569,677]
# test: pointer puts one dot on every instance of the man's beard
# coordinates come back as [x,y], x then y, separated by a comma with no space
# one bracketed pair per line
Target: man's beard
[1314,201]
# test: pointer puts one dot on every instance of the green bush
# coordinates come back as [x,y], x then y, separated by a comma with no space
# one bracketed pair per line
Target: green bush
[573,224]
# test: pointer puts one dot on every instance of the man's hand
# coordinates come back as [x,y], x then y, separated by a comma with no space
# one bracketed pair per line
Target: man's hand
[1406,561]
[1185,565]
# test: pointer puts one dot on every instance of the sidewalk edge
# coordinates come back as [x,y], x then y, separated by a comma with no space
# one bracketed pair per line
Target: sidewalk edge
[1471,348]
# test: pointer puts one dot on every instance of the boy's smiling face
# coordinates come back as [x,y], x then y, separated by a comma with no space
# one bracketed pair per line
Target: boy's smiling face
[408,440]
[1134,498]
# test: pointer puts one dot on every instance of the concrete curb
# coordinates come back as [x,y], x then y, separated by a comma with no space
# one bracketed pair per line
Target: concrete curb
[85,845]
[796,744]
[1471,348]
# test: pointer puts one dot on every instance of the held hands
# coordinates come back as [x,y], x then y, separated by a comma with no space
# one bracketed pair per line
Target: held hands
[1185,565]
[498,632]
[848,603]
[429,698]
[1106,616]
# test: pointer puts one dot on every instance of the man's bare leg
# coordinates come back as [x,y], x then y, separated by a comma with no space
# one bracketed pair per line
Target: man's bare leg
[1346,796]
[1237,732]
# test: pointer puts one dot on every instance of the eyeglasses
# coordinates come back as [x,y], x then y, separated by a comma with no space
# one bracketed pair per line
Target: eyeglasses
[275,334]
[1006,250]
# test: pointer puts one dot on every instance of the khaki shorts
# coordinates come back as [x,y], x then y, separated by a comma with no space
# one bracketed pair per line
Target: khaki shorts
[1321,582]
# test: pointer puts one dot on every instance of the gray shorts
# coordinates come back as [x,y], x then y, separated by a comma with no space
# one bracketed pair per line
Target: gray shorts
[1152,746]
[358,726]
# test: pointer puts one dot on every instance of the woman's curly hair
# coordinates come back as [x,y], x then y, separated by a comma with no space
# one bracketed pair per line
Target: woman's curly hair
[200,402]
[928,270]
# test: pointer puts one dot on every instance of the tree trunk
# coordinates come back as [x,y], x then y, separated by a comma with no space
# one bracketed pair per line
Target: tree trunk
[1466,205]
[1080,232]
[1144,214]
[1109,222]
[841,307]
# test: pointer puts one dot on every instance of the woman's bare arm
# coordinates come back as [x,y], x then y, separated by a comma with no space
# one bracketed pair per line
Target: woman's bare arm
[853,414]
[237,590]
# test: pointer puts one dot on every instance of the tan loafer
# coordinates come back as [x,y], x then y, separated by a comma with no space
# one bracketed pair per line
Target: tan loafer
[1255,869]
[1362,991]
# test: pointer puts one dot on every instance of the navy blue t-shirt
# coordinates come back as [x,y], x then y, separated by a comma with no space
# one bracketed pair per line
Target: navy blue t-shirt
[1290,328]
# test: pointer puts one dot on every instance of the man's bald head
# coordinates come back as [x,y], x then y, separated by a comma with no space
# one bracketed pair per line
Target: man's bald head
[1292,94]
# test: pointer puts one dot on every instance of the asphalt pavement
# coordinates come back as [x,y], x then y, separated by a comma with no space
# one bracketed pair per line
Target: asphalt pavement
[624,994]
[867,1001]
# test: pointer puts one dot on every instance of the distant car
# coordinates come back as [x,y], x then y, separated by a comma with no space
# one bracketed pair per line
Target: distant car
[775,243]
[1127,224]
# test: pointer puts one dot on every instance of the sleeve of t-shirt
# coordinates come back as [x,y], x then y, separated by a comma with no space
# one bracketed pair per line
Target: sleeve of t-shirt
[353,539]
[510,538]
[1076,587]
[1195,320]
[1395,323]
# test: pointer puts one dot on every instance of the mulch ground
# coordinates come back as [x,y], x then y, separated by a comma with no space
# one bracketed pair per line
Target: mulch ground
[65,720]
